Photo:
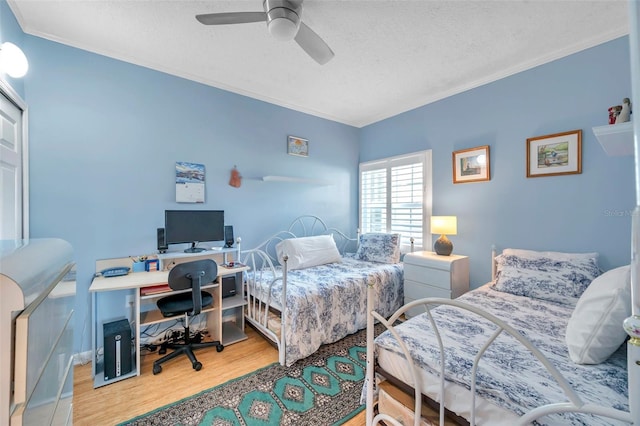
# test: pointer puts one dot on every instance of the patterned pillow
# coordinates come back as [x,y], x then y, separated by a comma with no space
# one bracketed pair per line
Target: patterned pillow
[559,280]
[379,247]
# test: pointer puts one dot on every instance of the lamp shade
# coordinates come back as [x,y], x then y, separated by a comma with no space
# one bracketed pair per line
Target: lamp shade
[12,60]
[444,225]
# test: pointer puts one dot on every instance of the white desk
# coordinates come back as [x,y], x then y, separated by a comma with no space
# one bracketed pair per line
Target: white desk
[127,288]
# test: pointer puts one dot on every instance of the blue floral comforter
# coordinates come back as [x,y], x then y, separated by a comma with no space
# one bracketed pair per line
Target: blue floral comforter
[509,375]
[328,302]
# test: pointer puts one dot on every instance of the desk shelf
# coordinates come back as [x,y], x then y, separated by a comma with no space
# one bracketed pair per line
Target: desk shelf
[231,333]
[156,317]
[169,291]
[233,302]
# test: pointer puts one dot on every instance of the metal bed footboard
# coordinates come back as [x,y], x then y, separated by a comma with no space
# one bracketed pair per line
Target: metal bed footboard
[575,403]
[258,296]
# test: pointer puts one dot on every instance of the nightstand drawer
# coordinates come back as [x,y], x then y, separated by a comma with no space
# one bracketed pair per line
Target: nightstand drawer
[415,290]
[434,277]
[431,260]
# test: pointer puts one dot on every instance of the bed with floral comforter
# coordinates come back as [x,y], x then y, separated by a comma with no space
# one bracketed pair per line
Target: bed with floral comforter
[309,293]
[563,305]
[325,303]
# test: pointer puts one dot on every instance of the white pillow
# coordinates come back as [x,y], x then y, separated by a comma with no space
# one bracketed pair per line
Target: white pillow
[305,252]
[594,331]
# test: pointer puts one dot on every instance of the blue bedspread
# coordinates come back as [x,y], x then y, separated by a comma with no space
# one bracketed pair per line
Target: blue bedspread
[328,302]
[509,375]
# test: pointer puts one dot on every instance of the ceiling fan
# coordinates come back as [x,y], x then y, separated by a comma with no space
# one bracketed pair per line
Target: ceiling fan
[284,21]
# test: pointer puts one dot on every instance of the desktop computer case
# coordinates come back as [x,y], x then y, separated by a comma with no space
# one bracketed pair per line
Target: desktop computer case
[117,349]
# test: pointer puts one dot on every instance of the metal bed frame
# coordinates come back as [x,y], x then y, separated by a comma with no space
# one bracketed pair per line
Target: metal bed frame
[263,260]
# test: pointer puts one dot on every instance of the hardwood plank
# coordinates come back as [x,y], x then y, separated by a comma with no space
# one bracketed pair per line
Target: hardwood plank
[121,401]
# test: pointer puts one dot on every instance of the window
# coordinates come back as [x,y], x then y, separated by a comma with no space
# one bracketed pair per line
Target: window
[395,196]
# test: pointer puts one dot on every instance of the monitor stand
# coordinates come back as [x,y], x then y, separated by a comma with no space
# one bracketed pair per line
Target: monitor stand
[194,249]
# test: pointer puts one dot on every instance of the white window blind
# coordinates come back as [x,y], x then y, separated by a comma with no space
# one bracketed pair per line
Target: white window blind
[395,196]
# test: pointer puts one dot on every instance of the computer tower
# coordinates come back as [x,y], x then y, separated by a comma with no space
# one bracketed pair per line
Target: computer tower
[117,349]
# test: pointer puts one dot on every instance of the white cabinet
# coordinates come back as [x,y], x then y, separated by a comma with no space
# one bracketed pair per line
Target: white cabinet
[37,279]
[427,274]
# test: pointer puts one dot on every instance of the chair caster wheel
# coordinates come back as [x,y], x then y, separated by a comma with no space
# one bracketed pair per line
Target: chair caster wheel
[219,348]
[162,351]
[197,366]
[157,369]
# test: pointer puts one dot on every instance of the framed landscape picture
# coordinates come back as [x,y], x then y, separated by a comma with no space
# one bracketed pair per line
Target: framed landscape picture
[471,165]
[556,154]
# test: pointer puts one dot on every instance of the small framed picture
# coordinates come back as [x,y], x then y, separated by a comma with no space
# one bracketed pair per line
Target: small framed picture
[471,165]
[553,155]
[297,146]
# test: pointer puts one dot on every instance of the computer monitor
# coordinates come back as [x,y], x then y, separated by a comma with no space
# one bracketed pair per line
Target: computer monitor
[193,226]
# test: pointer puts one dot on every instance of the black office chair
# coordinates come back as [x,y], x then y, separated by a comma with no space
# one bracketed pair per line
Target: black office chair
[183,276]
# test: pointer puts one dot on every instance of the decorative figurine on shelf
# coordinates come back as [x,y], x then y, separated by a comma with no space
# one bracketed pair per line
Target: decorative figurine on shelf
[613,113]
[236,179]
[625,112]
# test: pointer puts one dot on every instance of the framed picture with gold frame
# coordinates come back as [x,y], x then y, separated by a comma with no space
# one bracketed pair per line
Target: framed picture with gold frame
[297,146]
[471,165]
[554,155]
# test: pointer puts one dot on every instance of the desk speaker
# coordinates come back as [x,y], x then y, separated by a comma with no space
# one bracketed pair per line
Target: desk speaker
[228,236]
[162,242]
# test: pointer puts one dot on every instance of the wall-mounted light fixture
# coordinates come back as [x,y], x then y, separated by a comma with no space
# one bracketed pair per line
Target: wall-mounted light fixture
[12,60]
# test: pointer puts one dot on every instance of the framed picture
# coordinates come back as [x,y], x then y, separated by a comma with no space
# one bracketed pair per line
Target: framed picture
[553,155]
[471,165]
[297,146]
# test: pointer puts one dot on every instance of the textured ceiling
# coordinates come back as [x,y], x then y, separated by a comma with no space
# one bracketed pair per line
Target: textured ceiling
[390,56]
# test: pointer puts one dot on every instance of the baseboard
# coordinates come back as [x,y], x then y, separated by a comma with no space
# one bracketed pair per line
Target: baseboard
[82,358]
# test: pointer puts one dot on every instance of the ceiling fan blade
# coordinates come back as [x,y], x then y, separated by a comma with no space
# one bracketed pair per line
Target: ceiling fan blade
[313,44]
[231,18]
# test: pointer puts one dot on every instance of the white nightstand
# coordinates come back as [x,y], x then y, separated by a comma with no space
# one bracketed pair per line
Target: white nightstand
[427,274]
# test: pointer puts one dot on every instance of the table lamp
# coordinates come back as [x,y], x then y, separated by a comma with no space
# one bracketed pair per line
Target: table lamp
[444,225]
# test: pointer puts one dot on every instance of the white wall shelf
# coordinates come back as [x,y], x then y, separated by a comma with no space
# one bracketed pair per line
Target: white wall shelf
[293,179]
[616,139]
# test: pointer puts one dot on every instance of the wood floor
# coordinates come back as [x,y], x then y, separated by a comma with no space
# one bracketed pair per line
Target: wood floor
[121,401]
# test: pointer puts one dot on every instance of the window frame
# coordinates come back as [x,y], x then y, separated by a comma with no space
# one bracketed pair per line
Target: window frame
[424,157]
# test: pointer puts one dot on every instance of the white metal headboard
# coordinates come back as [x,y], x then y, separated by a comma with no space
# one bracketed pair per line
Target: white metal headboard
[307,226]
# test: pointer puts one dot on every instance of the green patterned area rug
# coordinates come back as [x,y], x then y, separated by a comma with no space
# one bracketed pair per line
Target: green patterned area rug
[322,389]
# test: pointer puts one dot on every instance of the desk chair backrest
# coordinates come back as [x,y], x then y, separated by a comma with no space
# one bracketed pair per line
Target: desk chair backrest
[193,275]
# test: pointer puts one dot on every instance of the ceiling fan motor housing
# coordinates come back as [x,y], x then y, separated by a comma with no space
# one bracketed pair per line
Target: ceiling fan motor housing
[283,18]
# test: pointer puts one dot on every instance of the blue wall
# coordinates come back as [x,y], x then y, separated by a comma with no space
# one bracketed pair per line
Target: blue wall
[104,139]
[105,136]
[583,212]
